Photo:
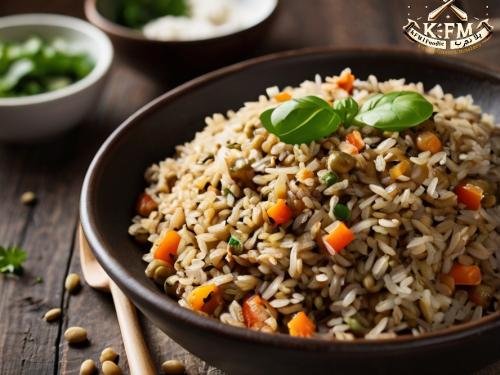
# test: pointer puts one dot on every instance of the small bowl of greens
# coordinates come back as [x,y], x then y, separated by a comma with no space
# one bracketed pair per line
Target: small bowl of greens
[52,69]
[183,36]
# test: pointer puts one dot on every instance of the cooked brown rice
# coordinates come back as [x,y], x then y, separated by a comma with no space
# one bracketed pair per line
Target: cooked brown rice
[408,232]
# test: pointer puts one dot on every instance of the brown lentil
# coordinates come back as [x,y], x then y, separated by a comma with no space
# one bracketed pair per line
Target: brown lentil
[88,367]
[108,354]
[52,315]
[340,162]
[72,283]
[449,282]
[75,335]
[110,368]
[28,198]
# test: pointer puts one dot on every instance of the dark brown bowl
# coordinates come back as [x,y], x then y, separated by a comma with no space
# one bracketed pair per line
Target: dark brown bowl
[115,178]
[174,59]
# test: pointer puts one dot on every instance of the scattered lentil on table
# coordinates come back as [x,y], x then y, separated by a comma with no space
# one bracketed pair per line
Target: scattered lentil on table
[72,283]
[28,198]
[110,368]
[75,335]
[108,354]
[52,315]
[88,367]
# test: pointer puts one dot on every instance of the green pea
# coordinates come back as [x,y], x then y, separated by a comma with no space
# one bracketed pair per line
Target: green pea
[342,212]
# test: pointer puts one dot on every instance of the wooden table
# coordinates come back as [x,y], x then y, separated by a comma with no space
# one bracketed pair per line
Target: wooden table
[54,171]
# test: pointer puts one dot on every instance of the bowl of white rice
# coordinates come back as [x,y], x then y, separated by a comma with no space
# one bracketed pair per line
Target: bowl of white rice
[338,214]
[200,36]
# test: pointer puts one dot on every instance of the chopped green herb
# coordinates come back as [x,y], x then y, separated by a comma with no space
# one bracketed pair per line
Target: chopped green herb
[329,178]
[235,244]
[227,192]
[342,212]
[38,280]
[234,146]
[36,66]
[12,259]
[207,158]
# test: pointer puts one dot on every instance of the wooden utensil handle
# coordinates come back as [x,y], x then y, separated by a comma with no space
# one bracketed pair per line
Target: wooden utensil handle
[138,357]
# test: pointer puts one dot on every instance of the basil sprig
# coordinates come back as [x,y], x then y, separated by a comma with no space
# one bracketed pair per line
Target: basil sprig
[311,118]
[395,111]
[301,120]
[347,108]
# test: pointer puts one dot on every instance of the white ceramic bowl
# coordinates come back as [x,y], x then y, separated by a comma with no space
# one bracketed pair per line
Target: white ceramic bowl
[36,117]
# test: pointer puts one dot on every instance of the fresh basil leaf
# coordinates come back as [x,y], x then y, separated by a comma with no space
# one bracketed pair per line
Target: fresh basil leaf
[371,102]
[311,118]
[346,108]
[301,120]
[286,109]
[395,111]
[265,119]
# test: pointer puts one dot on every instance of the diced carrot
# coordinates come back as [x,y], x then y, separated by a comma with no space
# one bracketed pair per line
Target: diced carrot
[283,97]
[470,195]
[298,206]
[355,139]
[145,205]
[252,310]
[167,249]
[466,275]
[280,212]
[400,169]
[304,174]
[301,326]
[256,311]
[346,81]
[339,237]
[205,298]
[428,141]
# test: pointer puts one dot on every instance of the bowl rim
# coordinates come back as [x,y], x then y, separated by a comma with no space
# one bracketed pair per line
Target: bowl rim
[39,21]
[120,31]
[170,308]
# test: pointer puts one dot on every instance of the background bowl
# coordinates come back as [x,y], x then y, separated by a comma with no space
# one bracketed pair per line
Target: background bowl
[40,116]
[115,178]
[176,60]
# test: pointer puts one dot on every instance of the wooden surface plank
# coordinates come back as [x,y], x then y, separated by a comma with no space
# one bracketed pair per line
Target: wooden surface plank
[90,309]
[32,345]
[55,171]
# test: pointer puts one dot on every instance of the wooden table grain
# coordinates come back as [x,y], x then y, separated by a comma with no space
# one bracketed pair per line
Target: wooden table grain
[54,171]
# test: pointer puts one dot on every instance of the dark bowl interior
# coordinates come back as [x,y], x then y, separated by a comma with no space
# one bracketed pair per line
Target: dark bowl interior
[115,178]
[174,61]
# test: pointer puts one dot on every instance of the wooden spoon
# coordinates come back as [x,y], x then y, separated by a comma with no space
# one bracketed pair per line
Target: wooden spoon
[139,359]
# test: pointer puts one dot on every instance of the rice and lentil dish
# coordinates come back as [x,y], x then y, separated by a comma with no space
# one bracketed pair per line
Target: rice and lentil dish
[362,233]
